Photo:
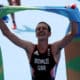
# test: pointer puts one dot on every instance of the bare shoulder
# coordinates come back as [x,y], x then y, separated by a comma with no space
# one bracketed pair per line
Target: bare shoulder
[56,46]
[29,47]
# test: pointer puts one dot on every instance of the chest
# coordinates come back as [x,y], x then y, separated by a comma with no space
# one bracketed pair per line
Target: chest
[42,62]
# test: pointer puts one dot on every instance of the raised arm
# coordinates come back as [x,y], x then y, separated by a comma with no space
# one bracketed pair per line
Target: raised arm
[57,46]
[68,38]
[74,18]
[21,43]
[73,15]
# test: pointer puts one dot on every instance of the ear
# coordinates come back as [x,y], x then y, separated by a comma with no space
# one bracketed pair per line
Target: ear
[36,34]
[49,34]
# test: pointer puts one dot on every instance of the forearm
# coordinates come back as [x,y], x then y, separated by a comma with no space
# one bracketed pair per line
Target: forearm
[12,37]
[4,28]
[74,28]
[6,32]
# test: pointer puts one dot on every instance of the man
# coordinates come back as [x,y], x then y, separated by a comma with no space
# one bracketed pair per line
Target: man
[13,3]
[43,56]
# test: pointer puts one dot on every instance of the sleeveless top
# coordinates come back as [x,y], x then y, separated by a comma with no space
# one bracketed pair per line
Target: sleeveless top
[42,64]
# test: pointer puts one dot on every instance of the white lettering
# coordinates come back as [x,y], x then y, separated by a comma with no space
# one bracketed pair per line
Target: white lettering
[41,61]
[41,67]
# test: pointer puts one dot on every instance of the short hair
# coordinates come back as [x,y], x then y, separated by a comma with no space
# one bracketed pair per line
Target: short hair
[49,28]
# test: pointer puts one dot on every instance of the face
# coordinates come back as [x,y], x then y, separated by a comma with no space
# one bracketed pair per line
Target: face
[42,31]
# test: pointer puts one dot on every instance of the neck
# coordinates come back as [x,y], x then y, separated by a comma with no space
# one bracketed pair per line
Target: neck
[43,42]
[42,45]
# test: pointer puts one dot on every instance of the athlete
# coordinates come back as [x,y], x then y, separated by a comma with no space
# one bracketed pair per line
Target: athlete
[42,56]
[13,3]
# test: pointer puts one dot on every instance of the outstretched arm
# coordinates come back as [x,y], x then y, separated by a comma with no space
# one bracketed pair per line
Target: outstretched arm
[21,43]
[74,17]
[57,46]
[68,38]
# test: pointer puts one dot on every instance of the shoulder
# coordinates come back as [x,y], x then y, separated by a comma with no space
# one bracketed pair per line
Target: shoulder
[30,50]
[56,45]
[30,47]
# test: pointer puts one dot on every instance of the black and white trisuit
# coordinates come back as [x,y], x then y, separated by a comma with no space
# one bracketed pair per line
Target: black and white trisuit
[42,64]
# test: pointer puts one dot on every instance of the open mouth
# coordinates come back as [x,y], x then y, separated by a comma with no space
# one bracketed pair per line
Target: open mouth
[41,33]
